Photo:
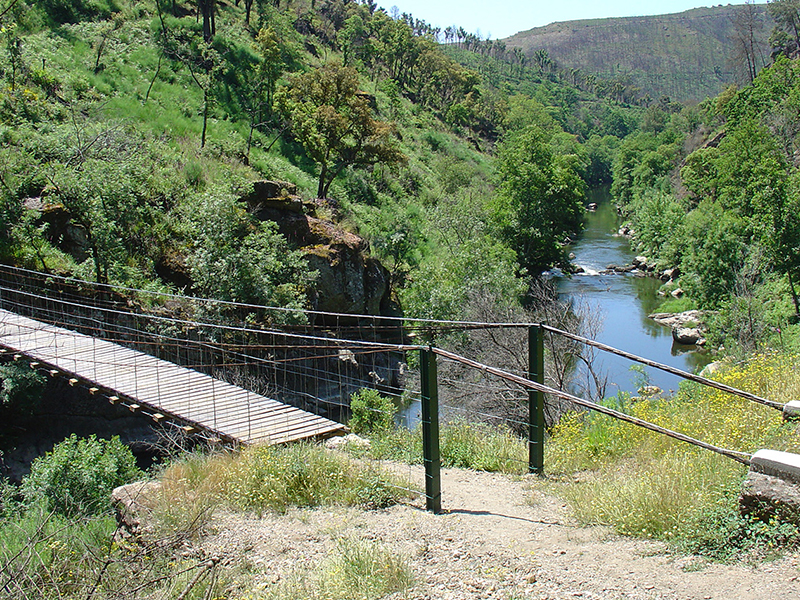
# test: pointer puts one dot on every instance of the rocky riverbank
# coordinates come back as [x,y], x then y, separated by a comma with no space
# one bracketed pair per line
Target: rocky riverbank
[688,327]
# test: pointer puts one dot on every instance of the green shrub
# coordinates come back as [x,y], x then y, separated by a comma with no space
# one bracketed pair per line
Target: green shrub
[371,412]
[78,475]
[721,533]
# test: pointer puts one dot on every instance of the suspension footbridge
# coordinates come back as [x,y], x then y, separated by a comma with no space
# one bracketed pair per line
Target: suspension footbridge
[248,374]
[159,388]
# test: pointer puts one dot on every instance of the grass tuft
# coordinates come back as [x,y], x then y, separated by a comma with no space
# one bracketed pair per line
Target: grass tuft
[273,479]
[356,570]
[461,444]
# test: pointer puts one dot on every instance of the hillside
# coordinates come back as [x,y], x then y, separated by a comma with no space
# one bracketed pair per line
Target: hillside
[186,112]
[686,56]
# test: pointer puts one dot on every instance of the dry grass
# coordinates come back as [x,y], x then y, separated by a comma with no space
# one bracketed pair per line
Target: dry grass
[649,485]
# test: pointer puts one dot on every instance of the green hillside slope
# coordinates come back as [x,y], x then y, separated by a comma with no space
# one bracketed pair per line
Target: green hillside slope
[686,56]
[134,140]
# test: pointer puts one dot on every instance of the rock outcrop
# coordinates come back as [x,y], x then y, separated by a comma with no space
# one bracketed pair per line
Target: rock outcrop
[687,327]
[767,497]
[133,505]
[349,280]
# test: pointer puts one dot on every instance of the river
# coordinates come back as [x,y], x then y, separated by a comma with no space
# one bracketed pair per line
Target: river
[622,301]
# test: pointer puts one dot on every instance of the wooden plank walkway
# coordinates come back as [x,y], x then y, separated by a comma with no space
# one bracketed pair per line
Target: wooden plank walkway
[225,410]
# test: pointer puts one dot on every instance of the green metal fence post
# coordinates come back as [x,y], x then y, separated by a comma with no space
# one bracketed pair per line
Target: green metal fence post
[535,400]
[430,431]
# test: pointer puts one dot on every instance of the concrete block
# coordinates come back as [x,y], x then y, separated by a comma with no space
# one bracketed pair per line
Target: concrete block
[791,411]
[776,463]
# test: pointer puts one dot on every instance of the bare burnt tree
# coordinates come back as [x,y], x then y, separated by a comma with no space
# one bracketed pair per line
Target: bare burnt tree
[568,365]
[748,40]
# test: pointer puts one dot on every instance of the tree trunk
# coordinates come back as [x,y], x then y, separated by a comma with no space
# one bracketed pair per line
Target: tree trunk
[205,119]
[207,10]
[322,189]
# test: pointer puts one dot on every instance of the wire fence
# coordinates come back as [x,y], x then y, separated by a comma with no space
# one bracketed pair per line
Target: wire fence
[453,371]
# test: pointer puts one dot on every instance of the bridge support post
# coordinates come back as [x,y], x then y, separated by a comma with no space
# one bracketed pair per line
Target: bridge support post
[430,430]
[536,400]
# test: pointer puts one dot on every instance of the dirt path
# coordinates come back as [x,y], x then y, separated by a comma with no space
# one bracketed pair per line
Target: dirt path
[499,538]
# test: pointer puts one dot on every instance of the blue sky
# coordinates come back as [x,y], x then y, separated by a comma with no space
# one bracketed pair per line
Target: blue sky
[502,18]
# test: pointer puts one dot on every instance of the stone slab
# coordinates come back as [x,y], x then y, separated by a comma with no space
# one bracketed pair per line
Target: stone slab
[791,411]
[766,498]
[776,463]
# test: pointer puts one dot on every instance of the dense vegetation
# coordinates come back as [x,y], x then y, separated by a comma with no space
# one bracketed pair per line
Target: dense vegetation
[128,134]
[724,206]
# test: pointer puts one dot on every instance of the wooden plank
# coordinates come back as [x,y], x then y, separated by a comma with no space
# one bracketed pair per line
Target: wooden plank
[274,437]
[275,424]
[168,392]
[241,417]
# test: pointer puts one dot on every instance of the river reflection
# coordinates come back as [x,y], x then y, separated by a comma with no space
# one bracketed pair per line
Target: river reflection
[623,302]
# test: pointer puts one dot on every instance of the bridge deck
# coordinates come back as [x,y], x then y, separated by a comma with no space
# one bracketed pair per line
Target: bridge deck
[228,411]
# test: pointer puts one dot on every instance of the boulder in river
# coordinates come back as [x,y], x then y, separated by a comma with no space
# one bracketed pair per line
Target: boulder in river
[678,319]
[688,336]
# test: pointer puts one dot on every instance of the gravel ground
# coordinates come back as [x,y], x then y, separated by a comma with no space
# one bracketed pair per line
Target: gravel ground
[498,538]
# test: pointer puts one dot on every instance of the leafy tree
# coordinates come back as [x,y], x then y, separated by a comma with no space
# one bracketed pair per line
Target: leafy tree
[786,14]
[539,202]
[716,250]
[395,235]
[626,168]
[265,78]
[752,174]
[115,186]
[657,219]
[20,387]
[334,123]
[354,40]
[699,173]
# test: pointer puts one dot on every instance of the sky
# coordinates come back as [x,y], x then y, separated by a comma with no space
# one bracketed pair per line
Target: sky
[502,18]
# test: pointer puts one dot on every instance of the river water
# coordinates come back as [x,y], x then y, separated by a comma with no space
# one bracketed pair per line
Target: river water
[622,302]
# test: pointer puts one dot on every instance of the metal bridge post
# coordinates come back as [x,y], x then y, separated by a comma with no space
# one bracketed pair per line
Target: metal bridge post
[430,431]
[536,400]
